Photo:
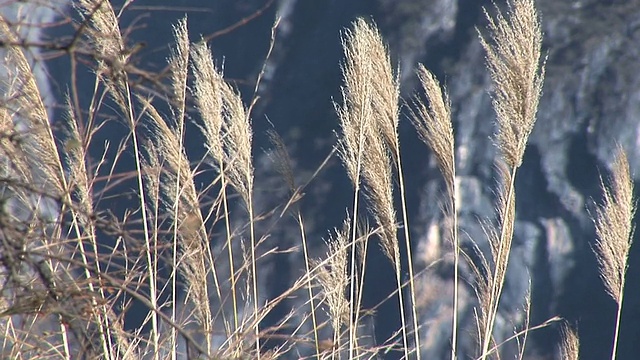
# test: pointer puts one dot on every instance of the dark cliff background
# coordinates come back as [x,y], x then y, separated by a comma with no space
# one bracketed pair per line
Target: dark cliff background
[591,101]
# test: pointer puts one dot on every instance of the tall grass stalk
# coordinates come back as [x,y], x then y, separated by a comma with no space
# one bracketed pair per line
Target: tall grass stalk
[432,121]
[283,164]
[208,97]
[79,178]
[407,237]
[614,228]
[355,116]
[227,130]
[383,144]
[332,275]
[513,59]
[107,40]
[369,79]
[178,64]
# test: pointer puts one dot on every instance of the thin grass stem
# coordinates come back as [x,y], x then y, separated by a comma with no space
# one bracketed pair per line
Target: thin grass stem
[501,263]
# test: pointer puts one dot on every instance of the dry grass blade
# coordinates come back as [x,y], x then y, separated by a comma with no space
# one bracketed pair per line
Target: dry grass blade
[434,126]
[179,71]
[228,132]
[112,57]
[239,171]
[386,87]
[106,35]
[614,227]
[376,173]
[237,143]
[369,120]
[614,230]
[282,160]
[370,144]
[15,164]
[526,327]
[355,116]
[513,58]
[386,95]
[506,211]
[82,184]
[356,112]
[378,187]
[227,127]
[30,226]
[370,53]
[206,90]
[500,244]
[484,280]
[79,178]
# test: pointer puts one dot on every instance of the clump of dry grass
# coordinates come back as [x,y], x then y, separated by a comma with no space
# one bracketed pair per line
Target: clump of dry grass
[34,177]
[614,227]
[227,130]
[513,59]
[165,240]
[181,203]
[368,147]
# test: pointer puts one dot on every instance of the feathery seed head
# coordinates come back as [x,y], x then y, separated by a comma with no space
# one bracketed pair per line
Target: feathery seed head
[356,112]
[433,123]
[332,276]
[377,175]
[227,127]
[369,118]
[181,198]
[106,39]
[39,150]
[179,66]
[513,59]
[206,90]
[570,345]
[614,227]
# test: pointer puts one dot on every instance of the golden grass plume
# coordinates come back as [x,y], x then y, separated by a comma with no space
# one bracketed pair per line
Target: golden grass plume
[614,227]
[513,59]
